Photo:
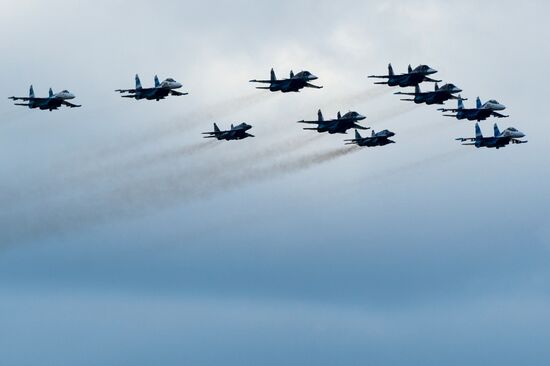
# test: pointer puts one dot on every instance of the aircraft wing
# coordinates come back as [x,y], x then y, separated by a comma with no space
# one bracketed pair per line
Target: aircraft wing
[498,115]
[516,141]
[379,76]
[126,90]
[308,85]
[462,139]
[262,81]
[312,122]
[21,98]
[413,94]
[359,127]
[431,80]
[177,93]
[71,105]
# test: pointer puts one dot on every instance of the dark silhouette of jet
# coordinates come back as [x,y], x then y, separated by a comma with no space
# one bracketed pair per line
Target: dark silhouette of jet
[293,84]
[381,138]
[438,96]
[53,101]
[411,78]
[500,139]
[339,125]
[480,113]
[160,91]
[235,133]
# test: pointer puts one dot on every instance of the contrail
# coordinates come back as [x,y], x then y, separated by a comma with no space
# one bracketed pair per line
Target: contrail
[365,96]
[139,198]
[200,115]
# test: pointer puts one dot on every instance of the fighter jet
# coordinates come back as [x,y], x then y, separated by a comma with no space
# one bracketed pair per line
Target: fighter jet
[235,133]
[160,91]
[438,96]
[53,101]
[480,113]
[339,125]
[381,138]
[501,139]
[293,84]
[411,78]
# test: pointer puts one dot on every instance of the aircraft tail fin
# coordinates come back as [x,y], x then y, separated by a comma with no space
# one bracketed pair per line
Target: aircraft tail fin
[339,115]
[232,127]
[216,128]
[479,135]
[273,76]
[320,116]
[50,93]
[138,82]
[390,70]
[291,74]
[372,133]
[31,92]
[460,103]
[436,86]
[478,103]
[157,82]
[497,131]
[410,69]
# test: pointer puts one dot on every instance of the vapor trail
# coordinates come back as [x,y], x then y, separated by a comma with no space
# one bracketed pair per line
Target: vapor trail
[186,121]
[139,198]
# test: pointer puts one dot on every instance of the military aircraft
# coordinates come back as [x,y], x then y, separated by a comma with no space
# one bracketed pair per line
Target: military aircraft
[438,96]
[381,138]
[53,101]
[293,84]
[501,139]
[339,125]
[160,91]
[235,133]
[411,78]
[480,113]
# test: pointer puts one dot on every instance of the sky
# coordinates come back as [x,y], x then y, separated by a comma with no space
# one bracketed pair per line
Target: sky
[126,238]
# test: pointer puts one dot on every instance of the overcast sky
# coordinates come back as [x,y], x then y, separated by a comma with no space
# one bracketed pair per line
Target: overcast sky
[127,239]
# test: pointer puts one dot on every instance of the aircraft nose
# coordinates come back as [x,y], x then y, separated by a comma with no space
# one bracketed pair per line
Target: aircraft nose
[391,134]
[499,107]
[177,85]
[313,77]
[70,96]
[360,117]
[431,71]
[457,90]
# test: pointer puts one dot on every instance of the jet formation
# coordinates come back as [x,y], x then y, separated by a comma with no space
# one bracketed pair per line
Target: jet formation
[500,139]
[235,133]
[339,125]
[52,102]
[158,92]
[293,84]
[480,113]
[342,123]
